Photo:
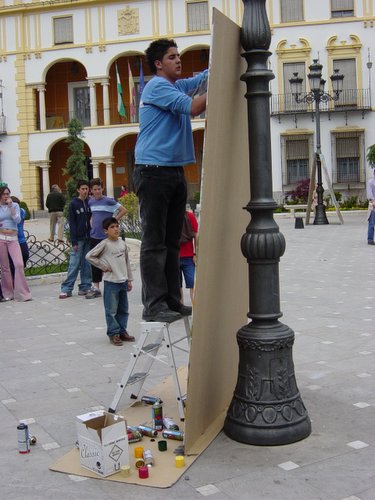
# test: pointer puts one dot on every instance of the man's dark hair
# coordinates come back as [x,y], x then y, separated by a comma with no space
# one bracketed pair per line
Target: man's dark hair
[96,182]
[108,221]
[157,50]
[82,182]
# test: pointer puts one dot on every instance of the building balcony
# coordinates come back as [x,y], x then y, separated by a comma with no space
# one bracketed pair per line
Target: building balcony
[349,101]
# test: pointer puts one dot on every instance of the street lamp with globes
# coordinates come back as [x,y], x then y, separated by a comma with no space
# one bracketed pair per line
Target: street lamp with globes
[317,95]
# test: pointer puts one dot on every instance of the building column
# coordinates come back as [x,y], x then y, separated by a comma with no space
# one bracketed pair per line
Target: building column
[93,110]
[44,165]
[109,177]
[42,106]
[95,168]
[105,86]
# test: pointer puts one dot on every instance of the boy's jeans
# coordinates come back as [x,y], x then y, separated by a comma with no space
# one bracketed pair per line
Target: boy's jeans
[78,263]
[116,307]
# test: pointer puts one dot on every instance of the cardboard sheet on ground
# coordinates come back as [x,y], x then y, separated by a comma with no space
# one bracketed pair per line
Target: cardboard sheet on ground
[221,294]
[164,473]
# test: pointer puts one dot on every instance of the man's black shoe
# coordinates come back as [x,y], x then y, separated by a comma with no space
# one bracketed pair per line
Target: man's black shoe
[165,316]
[184,310]
[370,242]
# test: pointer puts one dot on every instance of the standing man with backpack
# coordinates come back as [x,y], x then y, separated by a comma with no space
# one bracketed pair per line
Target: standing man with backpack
[188,249]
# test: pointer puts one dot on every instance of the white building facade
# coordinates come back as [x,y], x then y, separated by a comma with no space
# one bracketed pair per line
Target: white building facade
[59,60]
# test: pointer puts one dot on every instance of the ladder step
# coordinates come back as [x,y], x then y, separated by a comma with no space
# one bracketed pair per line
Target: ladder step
[150,347]
[136,377]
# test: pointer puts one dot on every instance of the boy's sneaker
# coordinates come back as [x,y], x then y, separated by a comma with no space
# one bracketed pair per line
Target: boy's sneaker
[65,295]
[115,340]
[83,292]
[93,293]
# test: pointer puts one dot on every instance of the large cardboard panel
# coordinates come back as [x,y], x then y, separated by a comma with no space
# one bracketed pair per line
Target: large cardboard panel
[221,293]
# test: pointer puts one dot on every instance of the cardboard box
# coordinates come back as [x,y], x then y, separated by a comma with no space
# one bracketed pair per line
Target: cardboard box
[103,442]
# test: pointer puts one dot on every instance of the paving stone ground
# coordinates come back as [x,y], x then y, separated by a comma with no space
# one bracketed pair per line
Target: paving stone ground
[55,363]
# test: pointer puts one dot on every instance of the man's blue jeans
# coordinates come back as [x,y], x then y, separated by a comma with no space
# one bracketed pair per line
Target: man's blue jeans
[78,263]
[371,224]
[116,307]
[162,194]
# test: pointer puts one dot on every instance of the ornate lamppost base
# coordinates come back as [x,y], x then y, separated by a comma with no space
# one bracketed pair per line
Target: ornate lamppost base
[320,215]
[266,408]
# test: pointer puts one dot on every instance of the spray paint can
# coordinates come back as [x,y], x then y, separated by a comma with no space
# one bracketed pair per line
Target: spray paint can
[134,436]
[139,463]
[170,425]
[147,431]
[148,458]
[23,438]
[178,435]
[157,416]
[32,440]
[150,400]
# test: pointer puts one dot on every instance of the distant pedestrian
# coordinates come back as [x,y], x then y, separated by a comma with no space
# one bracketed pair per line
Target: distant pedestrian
[55,203]
[10,216]
[124,191]
[188,249]
[21,237]
[79,230]
[101,208]
[371,209]
[111,256]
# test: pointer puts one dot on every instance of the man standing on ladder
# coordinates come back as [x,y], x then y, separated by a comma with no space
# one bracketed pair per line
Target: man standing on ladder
[164,145]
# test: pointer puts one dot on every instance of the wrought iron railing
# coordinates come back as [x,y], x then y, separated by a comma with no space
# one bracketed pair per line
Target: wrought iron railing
[46,257]
[349,100]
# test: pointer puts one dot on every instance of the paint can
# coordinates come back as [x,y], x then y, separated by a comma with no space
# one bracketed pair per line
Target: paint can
[170,425]
[148,458]
[139,463]
[150,400]
[134,436]
[162,445]
[23,438]
[180,461]
[138,452]
[157,416]
[178,435]
[147,431]
[32,440]
[143,472]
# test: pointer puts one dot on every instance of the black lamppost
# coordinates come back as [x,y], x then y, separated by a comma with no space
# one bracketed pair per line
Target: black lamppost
[266,408]
[317,95]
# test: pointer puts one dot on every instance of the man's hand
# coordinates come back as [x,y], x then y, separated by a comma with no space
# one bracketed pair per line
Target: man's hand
[75,248]
[130,286]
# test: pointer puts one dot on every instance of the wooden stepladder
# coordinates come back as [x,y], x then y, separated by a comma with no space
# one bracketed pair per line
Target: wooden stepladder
[154,335]
[329,185]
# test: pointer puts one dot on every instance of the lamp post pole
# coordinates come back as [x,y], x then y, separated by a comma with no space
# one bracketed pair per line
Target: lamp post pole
[316,96]
[266,408]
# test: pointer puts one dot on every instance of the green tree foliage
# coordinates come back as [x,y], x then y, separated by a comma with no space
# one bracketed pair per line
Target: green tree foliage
[75,166]
[130,224]
[371,155]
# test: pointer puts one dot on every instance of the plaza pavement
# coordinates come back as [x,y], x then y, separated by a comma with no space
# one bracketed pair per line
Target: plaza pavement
[55,363]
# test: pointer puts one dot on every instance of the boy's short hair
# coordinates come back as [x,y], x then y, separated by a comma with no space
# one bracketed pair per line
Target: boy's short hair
[108,221]
[96,182]
[157,50]
[82,182]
